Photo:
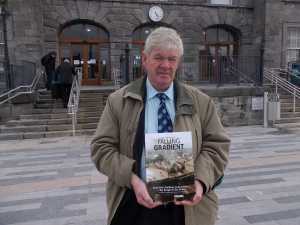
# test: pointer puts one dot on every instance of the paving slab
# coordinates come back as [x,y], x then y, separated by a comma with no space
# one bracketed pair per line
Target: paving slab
[53,181]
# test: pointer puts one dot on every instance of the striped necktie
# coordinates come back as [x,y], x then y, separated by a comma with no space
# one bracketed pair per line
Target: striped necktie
[164,120]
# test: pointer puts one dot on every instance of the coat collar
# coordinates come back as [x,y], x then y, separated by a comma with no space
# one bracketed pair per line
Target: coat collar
[183,101]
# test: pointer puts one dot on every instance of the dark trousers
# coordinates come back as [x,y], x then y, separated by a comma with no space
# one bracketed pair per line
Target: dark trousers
[66,89]
[50,76]
[131,213]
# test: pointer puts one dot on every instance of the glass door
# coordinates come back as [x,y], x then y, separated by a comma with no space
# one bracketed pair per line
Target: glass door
[86,62]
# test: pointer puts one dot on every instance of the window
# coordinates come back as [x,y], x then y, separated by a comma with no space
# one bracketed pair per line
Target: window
[221,2]
[293,44]
[87,45]
[138,40]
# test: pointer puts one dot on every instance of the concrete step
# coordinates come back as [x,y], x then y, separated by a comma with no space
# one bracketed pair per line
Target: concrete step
[288,125]
[89,104]
[35,135]
[48,111]
[32,122]
[48,105]
[19,129]
[92,108]
[45,97]
[88,98]
[288,120]
[289,101]
[289,109]
[45,128]
[59,115]
[289,114]
[289,104]
[44,116]
[46,100]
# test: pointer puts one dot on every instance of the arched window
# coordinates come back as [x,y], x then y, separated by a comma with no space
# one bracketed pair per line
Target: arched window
[87,45]
[138,41]
[221,46]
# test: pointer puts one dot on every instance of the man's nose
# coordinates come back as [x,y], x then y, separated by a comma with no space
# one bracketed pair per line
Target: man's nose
[165,63]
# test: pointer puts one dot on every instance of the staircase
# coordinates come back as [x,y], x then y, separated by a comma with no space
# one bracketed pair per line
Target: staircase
[50,119]
[277,80]
[290,120]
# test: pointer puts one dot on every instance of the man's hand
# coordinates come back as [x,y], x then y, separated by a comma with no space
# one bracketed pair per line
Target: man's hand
[141,193]
[197,197]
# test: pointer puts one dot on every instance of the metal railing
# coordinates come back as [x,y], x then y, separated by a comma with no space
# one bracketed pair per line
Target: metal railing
[118,81]
[280,78]
[23,89]
[73,102]
[229,69]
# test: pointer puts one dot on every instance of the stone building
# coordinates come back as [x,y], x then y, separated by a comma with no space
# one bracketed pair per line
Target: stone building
[100,36]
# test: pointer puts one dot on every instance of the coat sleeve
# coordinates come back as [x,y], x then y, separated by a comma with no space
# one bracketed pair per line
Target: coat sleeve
[214,153]
[105,148]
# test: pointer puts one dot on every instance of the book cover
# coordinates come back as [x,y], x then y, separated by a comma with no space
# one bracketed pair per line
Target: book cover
[169,166]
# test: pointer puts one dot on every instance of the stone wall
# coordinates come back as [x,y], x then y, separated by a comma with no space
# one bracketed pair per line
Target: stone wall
[34,24]
[235,105]
[279,15]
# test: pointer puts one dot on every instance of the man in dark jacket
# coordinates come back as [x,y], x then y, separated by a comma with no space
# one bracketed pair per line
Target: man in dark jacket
[65,73]
[48,61]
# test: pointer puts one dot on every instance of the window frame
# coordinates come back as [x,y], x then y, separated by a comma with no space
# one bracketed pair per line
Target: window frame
[221,2]
[286,48]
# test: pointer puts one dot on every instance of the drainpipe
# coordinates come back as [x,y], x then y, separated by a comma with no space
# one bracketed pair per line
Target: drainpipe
[262,49]
[126,64]
[7,71]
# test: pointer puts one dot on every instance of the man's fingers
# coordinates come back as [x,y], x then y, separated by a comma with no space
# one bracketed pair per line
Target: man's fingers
[197,198]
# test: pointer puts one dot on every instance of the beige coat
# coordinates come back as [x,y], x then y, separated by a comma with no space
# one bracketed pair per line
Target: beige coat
[112,145]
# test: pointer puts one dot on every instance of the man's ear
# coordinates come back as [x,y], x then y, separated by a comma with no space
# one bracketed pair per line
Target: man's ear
[144,58]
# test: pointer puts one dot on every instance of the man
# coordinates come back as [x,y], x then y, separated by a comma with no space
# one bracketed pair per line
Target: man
[48,61]
[65,73]
[117,148]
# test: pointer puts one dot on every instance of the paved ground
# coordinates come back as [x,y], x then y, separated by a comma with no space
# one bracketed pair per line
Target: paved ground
[53,182]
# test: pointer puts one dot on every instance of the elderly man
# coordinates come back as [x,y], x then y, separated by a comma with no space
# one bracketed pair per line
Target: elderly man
[117,148]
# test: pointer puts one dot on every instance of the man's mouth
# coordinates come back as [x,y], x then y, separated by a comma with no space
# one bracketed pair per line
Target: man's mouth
[163,73]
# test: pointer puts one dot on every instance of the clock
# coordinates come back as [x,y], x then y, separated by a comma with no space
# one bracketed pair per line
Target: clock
[156,13]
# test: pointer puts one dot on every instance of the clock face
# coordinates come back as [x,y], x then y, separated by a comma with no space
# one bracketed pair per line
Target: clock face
[156,13]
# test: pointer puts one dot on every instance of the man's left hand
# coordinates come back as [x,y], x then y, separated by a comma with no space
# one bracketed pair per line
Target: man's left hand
[197,197]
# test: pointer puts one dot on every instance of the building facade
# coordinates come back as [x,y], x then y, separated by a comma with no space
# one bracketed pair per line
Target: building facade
[97,34]
[223,39]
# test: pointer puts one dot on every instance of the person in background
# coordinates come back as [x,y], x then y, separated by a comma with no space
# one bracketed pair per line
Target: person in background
[48,61]
[117,148]
[65,73]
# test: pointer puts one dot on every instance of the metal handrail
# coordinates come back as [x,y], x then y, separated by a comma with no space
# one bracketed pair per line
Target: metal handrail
[240,75]
[117,78]
[29,89]
[73,102]
[273,75]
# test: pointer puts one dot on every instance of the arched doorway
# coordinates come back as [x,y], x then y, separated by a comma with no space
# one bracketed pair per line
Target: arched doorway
[138,41]
[87,45]
[221,47]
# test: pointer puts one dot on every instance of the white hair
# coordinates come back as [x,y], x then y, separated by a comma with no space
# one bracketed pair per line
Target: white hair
[66,60]
[163,38]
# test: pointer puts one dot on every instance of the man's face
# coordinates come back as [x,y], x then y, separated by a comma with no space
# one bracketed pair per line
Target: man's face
[161,66]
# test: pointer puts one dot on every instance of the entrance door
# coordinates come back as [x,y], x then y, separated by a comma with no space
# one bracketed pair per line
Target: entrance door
[214,61]
[220,60]
[85,58]
[84,42]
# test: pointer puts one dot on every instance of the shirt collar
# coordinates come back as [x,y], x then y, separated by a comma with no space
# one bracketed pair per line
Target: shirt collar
[151,91]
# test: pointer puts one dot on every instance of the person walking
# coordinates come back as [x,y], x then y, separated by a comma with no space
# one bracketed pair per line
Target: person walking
[65,73]
[48,61]
[117,148]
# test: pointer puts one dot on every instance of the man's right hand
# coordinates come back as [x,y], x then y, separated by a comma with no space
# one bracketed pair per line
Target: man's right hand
[141,193]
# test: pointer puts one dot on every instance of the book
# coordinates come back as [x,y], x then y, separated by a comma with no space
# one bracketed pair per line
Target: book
[169,166]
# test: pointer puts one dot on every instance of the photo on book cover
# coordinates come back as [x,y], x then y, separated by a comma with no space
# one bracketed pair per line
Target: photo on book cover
[169,166]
